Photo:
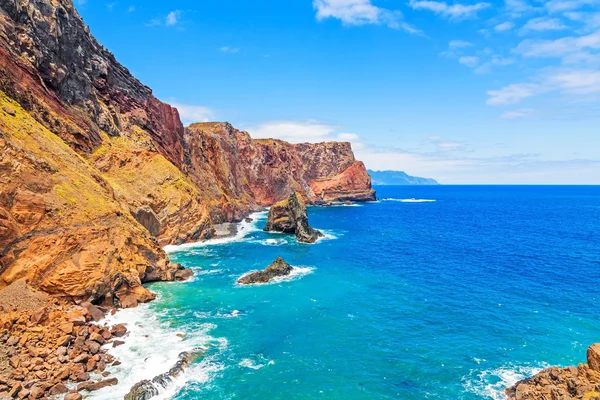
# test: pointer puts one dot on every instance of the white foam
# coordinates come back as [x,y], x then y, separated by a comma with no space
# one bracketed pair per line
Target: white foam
[491,384]
[409,200]
[243,230]
[272,242]
[152,348]
[255,364]
[327,235]
[297,273]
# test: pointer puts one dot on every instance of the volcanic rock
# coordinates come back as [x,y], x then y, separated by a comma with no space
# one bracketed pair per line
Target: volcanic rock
[568,383]
[289,216]
[278,268]
[147,389]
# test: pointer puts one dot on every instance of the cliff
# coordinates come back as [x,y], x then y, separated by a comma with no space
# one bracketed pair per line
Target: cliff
[98,174]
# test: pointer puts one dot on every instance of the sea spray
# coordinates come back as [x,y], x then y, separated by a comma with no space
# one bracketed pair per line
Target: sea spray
[151,348]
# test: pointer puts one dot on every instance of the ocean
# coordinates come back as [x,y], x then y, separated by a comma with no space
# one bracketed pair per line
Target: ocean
[433,292]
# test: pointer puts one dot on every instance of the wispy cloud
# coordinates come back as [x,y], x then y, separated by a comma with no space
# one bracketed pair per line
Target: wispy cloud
[173,18]
[505,26]
[543,24]
[229,49]
[190,113]
[517,114]
[361,12]
[452,11]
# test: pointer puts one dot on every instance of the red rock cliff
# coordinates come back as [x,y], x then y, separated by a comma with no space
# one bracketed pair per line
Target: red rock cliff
[97,174]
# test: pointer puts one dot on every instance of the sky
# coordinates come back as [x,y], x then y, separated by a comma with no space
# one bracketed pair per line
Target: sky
[466,92]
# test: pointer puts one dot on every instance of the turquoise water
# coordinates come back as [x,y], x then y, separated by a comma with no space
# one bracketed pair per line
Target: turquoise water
[447,299]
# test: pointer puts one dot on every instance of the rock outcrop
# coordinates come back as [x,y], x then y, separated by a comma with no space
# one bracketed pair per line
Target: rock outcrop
[278,268]
[569,383]
[96,174]
[147,389]
[289,216]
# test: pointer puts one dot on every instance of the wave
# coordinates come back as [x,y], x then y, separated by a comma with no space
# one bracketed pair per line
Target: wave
[255,364]
[272,242]
[409,200]
[297,273]
[243,230]
[327,235]
[491,384]
[140,361]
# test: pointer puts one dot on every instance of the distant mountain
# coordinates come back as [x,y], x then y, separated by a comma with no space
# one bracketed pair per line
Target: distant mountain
[398,178]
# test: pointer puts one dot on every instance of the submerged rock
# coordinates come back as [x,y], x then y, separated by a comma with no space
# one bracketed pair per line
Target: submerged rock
[568,383]
[289,216]
[278,268]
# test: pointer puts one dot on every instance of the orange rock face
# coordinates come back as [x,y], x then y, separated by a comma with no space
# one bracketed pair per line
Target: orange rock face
[96,174]
[581,383]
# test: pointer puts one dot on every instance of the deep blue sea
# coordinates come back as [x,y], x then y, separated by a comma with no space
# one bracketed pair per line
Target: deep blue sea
[451,298]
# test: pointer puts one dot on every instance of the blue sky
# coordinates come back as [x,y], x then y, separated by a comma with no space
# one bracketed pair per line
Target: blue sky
[498,91]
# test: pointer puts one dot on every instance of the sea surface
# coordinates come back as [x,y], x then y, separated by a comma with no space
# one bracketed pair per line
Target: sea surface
[433,292]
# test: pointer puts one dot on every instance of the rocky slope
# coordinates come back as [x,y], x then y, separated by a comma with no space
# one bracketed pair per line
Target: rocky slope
[97,174]
[569,383]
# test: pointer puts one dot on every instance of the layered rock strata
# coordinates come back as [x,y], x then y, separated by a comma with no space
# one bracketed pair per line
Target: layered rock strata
[581,382]
[278,268]
[289,216]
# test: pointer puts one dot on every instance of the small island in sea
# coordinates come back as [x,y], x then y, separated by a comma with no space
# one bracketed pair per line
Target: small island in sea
[148,253]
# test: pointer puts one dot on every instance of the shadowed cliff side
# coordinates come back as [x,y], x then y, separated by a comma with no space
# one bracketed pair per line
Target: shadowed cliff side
[97,174]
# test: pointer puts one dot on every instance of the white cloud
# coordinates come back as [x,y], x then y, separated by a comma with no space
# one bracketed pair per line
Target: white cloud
[543,24]
[558,47]
[348,137]
[452,11]
[294,132]
[469,61]
[173,18]
[457,44]
[516,114]
[193,113]
[229,49]
[505,26]
[572,82]
[361,12]
[513,93]
[567,5]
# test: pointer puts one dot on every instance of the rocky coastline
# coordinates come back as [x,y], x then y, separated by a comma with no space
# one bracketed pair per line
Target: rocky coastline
[97,176]
[571,383]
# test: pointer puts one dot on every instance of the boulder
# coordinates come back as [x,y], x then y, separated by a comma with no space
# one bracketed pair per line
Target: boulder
[289,216]
[278,268]
[593,357]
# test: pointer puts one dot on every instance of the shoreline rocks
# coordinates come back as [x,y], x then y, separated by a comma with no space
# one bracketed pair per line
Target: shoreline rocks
[147,389]
[278,268]
[47,347]
[289,216]
[581,382]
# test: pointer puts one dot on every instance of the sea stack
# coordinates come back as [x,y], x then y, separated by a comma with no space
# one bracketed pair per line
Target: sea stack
[278,268]
[289,216]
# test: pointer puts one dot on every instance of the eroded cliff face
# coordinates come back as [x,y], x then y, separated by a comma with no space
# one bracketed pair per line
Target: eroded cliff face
[97,174]
[266,171]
